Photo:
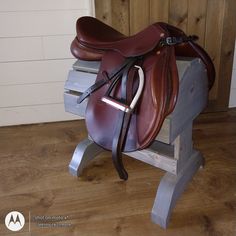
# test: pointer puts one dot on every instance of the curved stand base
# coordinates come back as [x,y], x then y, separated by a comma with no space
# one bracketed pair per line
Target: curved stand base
[170,189]
[84,153]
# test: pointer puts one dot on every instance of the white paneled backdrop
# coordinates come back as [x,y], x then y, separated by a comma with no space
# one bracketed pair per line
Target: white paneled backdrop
[35,37]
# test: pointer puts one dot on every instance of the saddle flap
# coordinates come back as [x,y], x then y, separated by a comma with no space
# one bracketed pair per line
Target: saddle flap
[154,104]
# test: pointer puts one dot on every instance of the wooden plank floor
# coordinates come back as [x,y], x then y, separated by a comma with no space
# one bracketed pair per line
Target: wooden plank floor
[34,180]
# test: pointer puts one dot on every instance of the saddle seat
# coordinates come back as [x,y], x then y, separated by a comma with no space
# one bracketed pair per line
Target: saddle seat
[97,37]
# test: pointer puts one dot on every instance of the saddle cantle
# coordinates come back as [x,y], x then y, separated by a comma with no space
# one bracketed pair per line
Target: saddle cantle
[137,83]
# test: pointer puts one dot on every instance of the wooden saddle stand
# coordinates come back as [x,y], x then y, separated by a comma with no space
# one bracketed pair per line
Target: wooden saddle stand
[142,101]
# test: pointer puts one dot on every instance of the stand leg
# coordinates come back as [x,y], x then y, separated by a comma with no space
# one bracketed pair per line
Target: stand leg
[170,189]
[84,152]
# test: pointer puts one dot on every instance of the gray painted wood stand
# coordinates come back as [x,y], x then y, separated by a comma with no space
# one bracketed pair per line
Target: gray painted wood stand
[172,150]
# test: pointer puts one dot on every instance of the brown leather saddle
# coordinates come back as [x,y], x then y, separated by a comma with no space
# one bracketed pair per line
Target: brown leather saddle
[137,83]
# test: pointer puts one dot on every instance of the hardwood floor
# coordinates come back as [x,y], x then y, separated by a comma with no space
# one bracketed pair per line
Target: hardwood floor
[34,180]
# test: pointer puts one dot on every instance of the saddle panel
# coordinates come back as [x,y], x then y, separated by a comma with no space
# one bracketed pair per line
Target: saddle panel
[93,34]
[153,106]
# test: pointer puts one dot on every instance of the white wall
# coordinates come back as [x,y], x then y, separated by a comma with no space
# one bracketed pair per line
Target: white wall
[232,100]
[35,38]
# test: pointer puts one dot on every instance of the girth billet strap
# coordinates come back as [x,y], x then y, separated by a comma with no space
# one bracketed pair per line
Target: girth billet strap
[127,76]
[171,41]
[104,81]
[125,113]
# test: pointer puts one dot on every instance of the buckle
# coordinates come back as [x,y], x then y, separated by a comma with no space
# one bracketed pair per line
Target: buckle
[170,41]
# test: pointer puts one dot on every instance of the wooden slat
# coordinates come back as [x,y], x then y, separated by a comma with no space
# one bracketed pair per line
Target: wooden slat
[120,15]
[114,13]
[227,53]
[87,66]
[72,106]
[139,15]
[79,81]
[21,49]
[159,11]
[31,94]
[35,5]
[103,11]
[192,98]
[213,36]
[156,159]
[178,13]
[34,114]
[197,19]
[30,72]
[35,48]
[57,47]
[39,23]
